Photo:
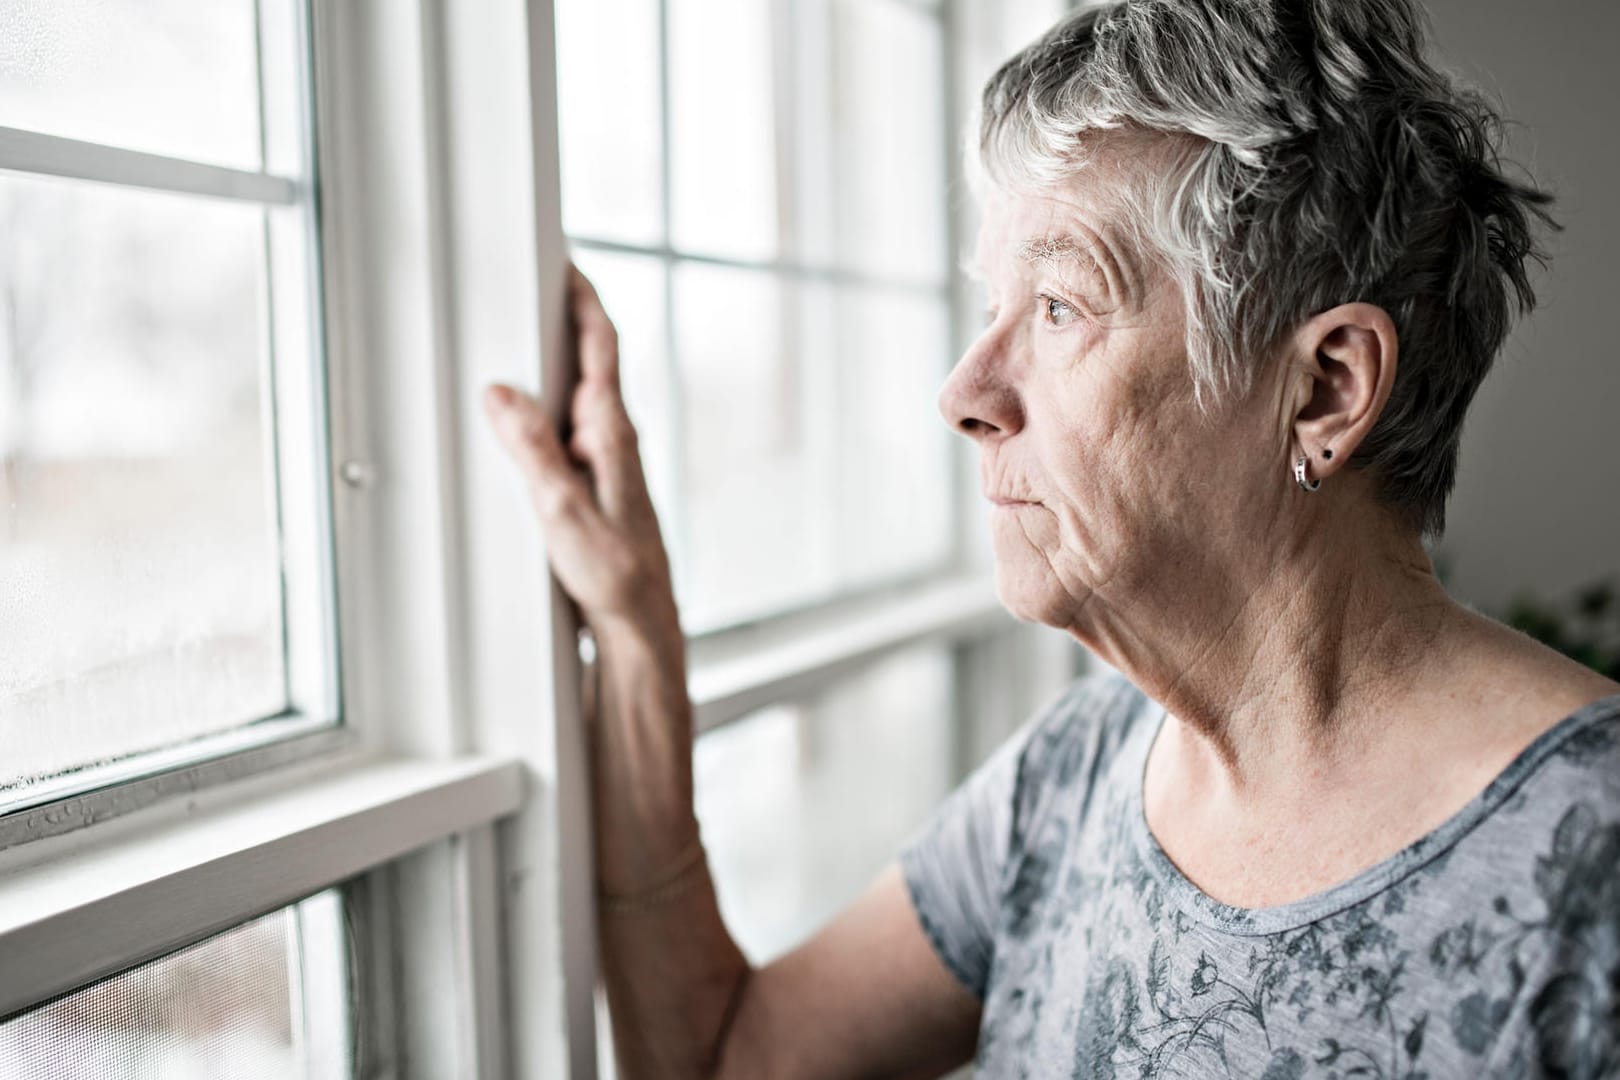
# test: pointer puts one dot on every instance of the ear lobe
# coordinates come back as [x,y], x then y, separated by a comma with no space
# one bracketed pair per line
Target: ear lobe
[1352,352]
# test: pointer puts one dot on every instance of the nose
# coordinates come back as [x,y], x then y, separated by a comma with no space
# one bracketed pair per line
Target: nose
[978,399]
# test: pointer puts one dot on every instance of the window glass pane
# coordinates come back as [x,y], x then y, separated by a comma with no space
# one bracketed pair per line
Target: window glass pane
[758,458]
[815,458]
[813,135]
[174,77]
[802,805]
[227,1008]
[722,128]
[608,86]
[890,139]
[139,560]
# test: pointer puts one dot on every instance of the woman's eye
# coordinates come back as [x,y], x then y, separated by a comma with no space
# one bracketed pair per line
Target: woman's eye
[1057,312]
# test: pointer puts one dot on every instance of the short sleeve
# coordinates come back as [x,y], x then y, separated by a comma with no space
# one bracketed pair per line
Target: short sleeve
[954,867]
[957,867]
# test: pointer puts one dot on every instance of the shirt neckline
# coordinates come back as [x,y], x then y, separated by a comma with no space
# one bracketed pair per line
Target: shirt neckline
[1375,879]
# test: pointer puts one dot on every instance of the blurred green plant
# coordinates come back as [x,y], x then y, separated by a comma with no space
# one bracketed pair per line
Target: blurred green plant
[1584,626]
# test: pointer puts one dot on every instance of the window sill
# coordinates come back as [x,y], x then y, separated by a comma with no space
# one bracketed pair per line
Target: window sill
[125,900]
[735,672]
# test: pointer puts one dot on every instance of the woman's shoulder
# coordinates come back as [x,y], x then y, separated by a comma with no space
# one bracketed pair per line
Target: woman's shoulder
[1578,757]
[1555,810]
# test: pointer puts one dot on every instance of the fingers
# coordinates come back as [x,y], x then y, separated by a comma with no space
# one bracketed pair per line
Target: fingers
[610,564]
[561,496]
[605,440]
[598,340]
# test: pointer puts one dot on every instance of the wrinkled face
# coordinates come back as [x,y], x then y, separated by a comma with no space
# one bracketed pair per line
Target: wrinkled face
[1107,482]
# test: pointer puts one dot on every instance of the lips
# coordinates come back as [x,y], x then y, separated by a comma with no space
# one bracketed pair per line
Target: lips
[1000,485]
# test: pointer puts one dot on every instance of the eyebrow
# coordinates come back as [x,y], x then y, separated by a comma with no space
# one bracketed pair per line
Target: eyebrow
[1051,248]
[1067,248]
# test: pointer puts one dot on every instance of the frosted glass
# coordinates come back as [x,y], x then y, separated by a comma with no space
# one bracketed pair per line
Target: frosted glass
[608,85]
[175,77]
[722,128]
[802,805]
[140,601]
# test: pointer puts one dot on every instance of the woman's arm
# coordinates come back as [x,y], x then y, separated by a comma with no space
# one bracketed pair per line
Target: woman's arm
[867,995]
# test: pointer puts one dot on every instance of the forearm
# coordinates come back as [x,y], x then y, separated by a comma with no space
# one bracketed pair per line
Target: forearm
[641,750]
[671,968]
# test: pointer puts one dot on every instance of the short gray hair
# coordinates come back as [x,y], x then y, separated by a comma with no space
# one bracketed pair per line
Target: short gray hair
[1317,158]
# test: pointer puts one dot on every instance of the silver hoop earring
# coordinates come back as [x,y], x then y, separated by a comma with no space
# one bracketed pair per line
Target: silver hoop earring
[1305,482]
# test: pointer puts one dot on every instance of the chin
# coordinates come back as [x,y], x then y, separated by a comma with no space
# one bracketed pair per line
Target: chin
[1031,595]
[1025,582]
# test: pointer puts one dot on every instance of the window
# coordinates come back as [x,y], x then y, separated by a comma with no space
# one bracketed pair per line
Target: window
[763,202]
[164,546]
[223,852]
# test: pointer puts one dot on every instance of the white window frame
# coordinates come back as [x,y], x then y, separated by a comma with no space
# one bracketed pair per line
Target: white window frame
[454,799]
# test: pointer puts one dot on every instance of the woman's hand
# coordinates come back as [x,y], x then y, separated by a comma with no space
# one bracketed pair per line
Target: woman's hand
[603,542]
[591,497]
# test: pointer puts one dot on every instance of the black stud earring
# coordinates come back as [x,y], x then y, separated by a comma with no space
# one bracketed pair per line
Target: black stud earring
[1327,455]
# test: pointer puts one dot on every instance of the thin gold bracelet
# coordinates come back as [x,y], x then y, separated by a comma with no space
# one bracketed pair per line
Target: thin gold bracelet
[687,871]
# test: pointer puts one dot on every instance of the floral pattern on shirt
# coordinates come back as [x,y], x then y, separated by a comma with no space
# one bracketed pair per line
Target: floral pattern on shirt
[1490,948]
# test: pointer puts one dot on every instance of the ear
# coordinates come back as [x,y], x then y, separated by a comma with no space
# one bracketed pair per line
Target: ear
[1345,368]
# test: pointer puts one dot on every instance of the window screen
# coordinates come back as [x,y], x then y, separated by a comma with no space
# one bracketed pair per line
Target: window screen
[229,1008]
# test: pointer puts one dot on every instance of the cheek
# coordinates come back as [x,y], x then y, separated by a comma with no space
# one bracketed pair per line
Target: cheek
[1098,452]
[1116,480]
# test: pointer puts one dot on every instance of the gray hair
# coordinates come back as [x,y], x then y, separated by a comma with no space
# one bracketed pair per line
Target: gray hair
[1317,157]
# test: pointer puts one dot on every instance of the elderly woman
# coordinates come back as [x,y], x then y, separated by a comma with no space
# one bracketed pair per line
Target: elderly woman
[1247,263]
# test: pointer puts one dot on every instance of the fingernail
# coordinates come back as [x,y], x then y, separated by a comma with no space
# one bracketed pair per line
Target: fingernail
[498,396]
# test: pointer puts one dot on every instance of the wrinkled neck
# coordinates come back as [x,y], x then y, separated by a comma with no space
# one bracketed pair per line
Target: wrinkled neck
[1281,658]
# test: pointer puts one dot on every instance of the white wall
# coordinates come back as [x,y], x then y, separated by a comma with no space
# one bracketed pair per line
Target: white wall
[1538,500]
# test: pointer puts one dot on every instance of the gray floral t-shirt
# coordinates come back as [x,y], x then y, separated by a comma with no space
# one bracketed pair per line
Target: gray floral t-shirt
[1490,948]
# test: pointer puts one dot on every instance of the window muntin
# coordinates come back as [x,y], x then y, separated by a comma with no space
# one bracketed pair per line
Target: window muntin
[801,187]
[164,532]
